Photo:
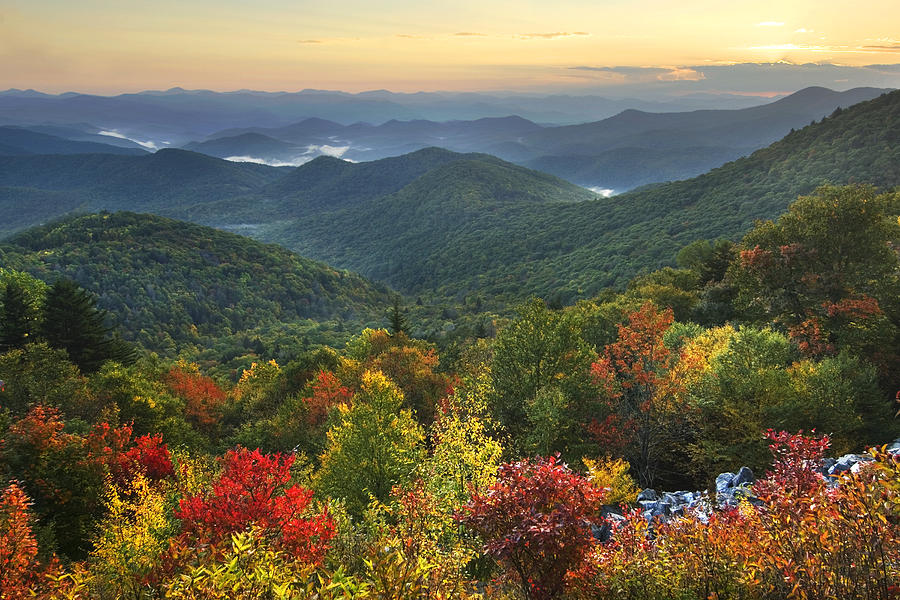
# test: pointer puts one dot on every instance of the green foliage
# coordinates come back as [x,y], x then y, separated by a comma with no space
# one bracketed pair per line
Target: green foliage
[40,375]
[16,328]
[540,350]
[374,446]
[72,322]
[185,288]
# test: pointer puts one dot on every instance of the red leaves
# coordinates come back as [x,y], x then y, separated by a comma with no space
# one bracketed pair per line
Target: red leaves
[252,491]
[795,470]
[536,519]
[150,456]
[632,361]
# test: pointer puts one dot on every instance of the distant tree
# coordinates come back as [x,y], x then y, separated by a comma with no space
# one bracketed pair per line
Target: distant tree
[73,322]
[16,325]
[827,272]
[398,319]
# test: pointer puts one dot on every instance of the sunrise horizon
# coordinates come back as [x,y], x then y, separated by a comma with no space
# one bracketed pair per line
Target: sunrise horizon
[406,47]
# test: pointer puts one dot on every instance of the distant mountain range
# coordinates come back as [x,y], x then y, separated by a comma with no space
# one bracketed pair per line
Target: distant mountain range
[439,223]
[632,148]
[625,151]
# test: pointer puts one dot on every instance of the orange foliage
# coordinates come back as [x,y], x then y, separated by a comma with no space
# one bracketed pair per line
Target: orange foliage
[18,548]
[327,391]
[203,396]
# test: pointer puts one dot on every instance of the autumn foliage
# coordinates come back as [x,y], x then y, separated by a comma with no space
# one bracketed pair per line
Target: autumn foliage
[536,520]
[203,397]
[18,547]
[253,490]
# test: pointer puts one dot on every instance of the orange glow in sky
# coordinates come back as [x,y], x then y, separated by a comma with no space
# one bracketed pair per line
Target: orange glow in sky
[108,46]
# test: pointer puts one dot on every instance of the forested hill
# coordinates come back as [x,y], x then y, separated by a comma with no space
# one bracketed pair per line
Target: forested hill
[175,286]
[510,250]
[34,189]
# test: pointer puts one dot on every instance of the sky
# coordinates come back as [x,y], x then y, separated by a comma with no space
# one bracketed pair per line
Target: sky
[617,46]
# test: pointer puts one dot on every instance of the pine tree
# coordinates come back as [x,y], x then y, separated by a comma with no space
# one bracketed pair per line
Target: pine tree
[15,323]
[398,319]
[73,322]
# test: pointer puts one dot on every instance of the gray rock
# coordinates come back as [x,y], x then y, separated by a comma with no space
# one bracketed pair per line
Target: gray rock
[744,476]
[723,482]
[648,494]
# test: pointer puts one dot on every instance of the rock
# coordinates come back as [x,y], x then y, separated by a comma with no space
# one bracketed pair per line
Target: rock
[723,482]
[744,476]
[648,494]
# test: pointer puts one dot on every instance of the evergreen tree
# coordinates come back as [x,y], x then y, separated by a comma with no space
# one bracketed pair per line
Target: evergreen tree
[398,319]
[73,322]
[15,322]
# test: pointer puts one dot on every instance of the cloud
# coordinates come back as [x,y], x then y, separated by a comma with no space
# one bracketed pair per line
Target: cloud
[682,74]
[622,70]
[893,48]
[605,192]
[770,24]
[300,160]
[113,133]
[309,41]
[469,34]
[763,78]
[551,36]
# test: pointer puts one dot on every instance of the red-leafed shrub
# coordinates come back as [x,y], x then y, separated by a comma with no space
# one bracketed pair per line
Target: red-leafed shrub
[253,491]
[149,456]
[536,520]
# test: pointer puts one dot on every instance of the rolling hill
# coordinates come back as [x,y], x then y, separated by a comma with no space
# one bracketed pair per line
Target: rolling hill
[176,287]
[17,141]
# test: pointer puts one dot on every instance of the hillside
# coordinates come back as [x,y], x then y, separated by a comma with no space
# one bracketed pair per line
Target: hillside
[163,182]
[175,287]
[508,250]
[411,238]
[16,141]
[696,137]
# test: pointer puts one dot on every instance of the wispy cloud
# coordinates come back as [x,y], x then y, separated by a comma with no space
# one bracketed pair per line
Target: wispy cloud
[148,145]
[827,48]
[770,24]
[885,48]
[551,36]
[469,34]
[309,41]
[681,74]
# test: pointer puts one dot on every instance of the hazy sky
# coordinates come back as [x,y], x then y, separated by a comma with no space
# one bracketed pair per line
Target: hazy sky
[108,46]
